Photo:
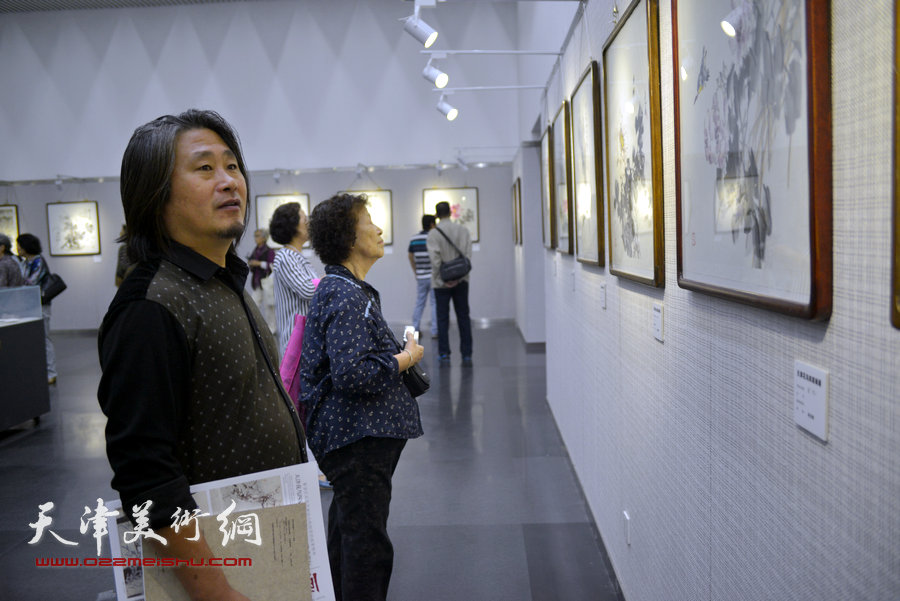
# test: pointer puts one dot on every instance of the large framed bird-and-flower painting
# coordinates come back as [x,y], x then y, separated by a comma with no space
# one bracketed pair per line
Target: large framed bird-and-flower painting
[633,145]
[753,152]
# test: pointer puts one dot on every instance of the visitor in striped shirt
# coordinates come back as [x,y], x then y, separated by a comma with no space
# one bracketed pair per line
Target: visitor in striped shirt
[421,266]
[292,271]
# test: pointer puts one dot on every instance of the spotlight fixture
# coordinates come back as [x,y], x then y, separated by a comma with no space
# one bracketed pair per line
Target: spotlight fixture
[276,176]
[446,109]
[420,30]
[435,75]
[462,164]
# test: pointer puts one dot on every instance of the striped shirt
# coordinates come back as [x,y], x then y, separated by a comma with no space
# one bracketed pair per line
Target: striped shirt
[294,289]
[420,254]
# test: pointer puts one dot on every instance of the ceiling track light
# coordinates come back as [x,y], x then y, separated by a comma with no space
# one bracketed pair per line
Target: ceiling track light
[435,75]
[419,29]
[447,109]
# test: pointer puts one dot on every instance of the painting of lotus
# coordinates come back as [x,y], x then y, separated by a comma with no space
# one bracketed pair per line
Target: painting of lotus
[752,127]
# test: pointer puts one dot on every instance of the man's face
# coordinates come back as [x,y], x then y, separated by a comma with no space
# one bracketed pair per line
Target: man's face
[209,193]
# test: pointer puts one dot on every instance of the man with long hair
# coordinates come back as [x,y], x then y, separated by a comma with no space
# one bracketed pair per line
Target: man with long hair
[190,382]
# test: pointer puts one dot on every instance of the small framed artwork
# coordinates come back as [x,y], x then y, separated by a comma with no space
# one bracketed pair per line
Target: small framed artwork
[753,164]
[515,214]
[463,205]
[517,199]
[548,215]
[519,217]
[895,289]
[74,228]
[633,147]
[586,170]
[9,223]
[381,211]
[267,203]
[562,192]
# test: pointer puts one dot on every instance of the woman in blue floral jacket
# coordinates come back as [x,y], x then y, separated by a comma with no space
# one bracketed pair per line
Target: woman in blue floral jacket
[359,412]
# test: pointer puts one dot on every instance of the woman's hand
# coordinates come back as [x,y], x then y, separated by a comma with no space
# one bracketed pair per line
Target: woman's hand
[416,351]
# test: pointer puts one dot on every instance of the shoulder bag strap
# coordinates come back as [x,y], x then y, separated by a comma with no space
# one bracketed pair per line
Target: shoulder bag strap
[449,240]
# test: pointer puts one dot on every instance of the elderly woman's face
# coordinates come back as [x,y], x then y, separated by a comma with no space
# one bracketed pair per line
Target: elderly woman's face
[368,237]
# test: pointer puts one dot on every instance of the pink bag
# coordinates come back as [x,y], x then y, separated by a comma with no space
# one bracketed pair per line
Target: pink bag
[290,365]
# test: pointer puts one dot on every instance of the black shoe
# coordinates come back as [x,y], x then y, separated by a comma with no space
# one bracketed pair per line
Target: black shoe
[467,361]
[443,359]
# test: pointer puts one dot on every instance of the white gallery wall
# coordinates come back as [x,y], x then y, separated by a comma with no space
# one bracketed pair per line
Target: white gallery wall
[695,437]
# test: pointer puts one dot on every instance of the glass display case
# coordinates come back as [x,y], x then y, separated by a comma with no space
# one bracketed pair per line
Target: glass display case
[23,360]
[19,304]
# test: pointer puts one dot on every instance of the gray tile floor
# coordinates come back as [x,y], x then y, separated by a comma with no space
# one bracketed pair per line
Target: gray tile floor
[486,505]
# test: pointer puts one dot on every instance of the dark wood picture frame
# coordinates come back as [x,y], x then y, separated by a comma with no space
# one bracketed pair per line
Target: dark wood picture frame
[520,226]
[515,214]
[562,166]
[586,174]
[634,204]
[895,263]
[548,207]
[746,201]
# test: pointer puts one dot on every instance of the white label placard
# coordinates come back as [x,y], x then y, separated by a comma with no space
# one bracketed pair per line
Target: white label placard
[811,399]
[658,321]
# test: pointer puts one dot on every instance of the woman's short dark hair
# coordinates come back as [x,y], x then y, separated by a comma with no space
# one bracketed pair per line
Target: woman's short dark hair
[146,176]
[29,243]
[332,226]
[284,222]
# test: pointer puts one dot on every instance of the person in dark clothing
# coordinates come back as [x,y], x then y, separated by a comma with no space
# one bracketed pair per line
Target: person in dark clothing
[190,384]
[359,412]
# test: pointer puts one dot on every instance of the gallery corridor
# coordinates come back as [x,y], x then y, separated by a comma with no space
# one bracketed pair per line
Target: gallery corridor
[486,506]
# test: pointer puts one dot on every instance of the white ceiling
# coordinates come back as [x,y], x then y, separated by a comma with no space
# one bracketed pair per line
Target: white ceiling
[309,85]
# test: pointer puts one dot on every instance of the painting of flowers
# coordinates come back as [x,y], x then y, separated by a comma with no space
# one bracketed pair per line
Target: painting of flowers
[74,228]
[547,217]
[752,125]
[633,146]
[585,169]
[463,205]
[562,197]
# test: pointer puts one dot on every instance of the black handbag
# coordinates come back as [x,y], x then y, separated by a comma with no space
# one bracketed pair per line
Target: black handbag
[454,269]
[416,380]
[51,288]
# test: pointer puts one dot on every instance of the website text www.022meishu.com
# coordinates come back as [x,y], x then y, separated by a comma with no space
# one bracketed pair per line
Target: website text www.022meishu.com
[145,562]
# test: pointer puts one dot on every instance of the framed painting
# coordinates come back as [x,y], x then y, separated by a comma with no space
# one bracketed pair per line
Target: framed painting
[519,216]
[752,161]
[548,216]
[74,228]
[267,203]
[463,205]
[515,214]
[9,223]
[562,166]
[634,184]
[895,267]
[381,210]
[586,180]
